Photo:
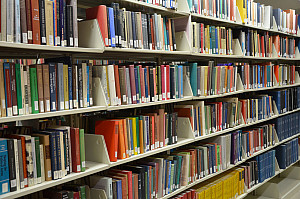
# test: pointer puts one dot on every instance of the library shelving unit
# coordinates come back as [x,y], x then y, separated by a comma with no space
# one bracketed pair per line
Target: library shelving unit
[91,46]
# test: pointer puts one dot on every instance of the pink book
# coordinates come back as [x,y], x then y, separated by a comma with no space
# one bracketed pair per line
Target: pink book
[167,75]
[163,80]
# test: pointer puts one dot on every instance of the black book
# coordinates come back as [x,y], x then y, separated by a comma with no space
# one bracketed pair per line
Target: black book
[172,82]
[70,34]
[42,22]
[170,129]
[148,17]
[133,24]
[115,6]
[173,34]
[141,178]
[12,165]
[151,83]
[122,27]
[64,19]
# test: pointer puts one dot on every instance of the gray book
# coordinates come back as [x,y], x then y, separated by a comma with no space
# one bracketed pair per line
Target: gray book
[128,86]
[10,21]
[129,22]
[228,81]
[105,183]
[73,3]
[21,171]
[60,87]
[222,89]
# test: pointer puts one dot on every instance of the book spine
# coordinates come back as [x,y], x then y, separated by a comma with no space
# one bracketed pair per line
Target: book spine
[13,89]
[75,86]
[58,154]
[90,83]
[5,183]
[65,87]
[46,87]
[12,165]
[21,170]
[40,86]
[69,25]
[38,160]
[70,85]
[42,161]
[34,90]
[17,22]
[10,21]
[80,84]
[35,22]
[19,89]
[82,149]
[52,84]
[42,21]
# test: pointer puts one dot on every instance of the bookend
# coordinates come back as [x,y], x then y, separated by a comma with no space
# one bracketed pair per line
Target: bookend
[275,110]
[182,41]
[239,83]
[237,49]
[276,136]
[274,52]
[185,128]
[98,93]
[297,78]
[89,35]
[183,6]
[276,83]
[275,27]
[297,53]
[95,149]
[238,16]
[98,193]
[187,88]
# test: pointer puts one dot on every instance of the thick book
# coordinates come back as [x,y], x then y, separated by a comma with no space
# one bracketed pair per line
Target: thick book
[42,10]
[75,148]
[35,18]
[40,86]
[12,165]
[34,89]
[5,167]
[13,88]
[109,129]
[70,31]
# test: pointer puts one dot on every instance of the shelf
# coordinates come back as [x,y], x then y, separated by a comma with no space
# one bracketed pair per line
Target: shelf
[91,168]
[230,167]
[121,107]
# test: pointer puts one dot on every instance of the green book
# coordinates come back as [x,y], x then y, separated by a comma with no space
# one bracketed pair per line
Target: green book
[139,84]
[70,194]
[82,189]
[19,89]
[178,171]
[82,149]
[38,159]
[138,134]
[34,90]
[193,71]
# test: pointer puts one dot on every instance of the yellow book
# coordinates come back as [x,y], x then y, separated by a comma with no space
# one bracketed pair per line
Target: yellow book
[207,40]
[241,4]
[207,192]
[219,193]
[242,181]
[66,86]
[134,137]
[213,191]
[205,80]
[201,193]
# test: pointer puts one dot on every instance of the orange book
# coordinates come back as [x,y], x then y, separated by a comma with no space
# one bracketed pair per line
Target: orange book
[170,34]
[152,34]
[141,131]
[35,18]
[109,129]
[100,14]
[276,72]
[121,141]
[125,137]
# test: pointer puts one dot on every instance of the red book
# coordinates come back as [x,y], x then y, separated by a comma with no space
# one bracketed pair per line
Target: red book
[76,195]
[109,129]
[7,72]
[117,83]
[167,76]
[35,16]
[142,82]
[152,34]
[132,83]
[28,21]
[13,85]
[75,150]
[99,13]
[232,16]
[163,82]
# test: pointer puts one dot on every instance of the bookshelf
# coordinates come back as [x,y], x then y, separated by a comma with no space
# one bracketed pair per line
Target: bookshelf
[91,46]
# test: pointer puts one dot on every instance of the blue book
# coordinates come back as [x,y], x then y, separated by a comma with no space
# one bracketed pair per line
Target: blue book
[169,181]
[258,13]
[62,25]
[119,188]
[7,67]
[87,84]
[258,78]
[52,79]
[112,26]
[216,41]
[131,135]
[70,78]
[210,40]
[4,174]
[281,155]
[137,85]
[180,80]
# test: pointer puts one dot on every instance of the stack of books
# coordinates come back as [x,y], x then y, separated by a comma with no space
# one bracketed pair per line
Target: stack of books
[127,29]
[139,134]
[287,126]
[287,153]
[40,22]
[32,157]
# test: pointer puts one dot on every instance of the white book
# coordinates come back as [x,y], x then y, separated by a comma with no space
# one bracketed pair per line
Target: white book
[42,163]
[3,20]
[34,161]
[17,164]
[17,22]
[112,87]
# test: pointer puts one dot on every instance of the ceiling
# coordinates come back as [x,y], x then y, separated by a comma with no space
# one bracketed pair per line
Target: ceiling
[283,4]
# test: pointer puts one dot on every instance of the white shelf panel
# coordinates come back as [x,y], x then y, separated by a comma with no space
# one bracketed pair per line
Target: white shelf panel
[230,167]
[52,114]
[48,48]
[92,168]
[181,142]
